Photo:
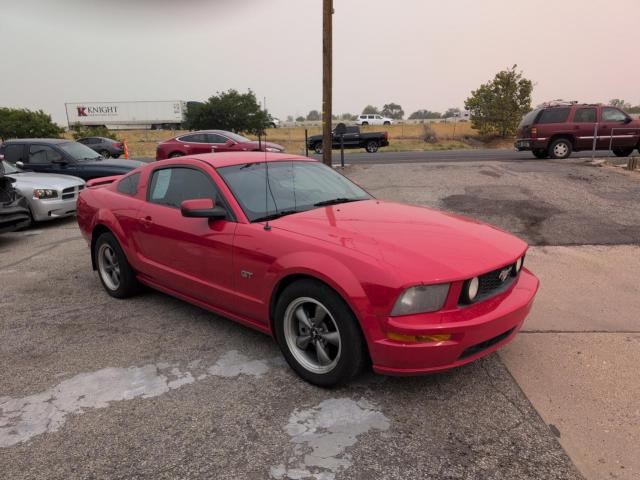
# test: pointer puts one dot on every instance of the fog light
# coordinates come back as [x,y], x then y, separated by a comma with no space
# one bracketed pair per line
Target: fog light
[399,337]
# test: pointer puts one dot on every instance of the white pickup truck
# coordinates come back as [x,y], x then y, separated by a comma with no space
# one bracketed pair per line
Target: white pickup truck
[375,119]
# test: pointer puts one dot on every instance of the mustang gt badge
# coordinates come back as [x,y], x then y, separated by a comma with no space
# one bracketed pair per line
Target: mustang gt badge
[504,274]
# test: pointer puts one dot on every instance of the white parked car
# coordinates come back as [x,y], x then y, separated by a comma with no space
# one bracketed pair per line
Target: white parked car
[366,119]
[48,195]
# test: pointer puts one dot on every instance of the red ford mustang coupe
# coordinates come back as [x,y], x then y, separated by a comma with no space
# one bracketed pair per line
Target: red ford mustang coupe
[292,248]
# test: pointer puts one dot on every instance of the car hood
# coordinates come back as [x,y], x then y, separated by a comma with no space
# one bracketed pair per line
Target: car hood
[422,244]
[45,180]
[256,144]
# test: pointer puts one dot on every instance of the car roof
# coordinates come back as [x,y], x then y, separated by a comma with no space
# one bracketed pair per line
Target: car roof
[55,141]
[227,159]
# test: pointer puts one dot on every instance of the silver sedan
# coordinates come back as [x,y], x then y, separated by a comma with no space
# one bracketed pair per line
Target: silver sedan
[49,195]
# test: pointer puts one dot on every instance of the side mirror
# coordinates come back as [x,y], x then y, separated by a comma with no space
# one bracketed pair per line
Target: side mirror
[20,164]
[202,208]
[627,120]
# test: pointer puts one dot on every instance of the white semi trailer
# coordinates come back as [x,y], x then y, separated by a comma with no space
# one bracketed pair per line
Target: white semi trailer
[128,115]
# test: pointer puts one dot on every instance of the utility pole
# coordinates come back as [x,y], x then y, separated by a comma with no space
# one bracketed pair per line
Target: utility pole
[327,50]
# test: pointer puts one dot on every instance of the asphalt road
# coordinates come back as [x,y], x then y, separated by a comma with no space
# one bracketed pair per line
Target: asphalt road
[154,387]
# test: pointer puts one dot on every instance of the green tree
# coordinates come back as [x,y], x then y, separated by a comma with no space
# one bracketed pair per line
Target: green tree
[313,116]
[497,106]
[617,102]
[231,110]
[393,110]
[452,112]
[424,115]
[300,119]
[635,109]
[370,110]
[23,123]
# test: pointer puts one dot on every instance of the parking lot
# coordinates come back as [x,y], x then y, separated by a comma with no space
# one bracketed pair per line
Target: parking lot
[156,388]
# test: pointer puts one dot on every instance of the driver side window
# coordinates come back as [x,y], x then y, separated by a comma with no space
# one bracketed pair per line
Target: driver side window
[172,186]
[613,115]
[42,154]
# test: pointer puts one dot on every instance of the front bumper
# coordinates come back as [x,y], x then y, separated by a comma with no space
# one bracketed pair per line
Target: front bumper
[476,330]
[42,210]
[526,144]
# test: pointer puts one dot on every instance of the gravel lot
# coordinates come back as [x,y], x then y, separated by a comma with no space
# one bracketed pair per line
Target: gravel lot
[153,387]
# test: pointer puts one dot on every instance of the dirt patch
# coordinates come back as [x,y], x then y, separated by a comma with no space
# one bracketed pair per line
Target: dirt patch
[527,216]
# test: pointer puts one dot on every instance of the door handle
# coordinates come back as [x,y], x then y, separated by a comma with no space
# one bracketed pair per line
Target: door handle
[146,221]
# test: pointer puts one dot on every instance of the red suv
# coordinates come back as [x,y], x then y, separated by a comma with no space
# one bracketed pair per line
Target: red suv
[557,130]
[207,141]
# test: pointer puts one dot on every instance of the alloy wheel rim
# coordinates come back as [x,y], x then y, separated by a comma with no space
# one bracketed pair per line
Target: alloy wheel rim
[109,267]
[312,335]
[560,149]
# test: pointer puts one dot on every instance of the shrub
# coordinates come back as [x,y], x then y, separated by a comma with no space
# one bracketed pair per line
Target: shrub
[23,123]
[83,131]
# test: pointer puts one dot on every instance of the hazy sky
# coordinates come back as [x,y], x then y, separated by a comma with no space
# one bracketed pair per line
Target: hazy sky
[419,53]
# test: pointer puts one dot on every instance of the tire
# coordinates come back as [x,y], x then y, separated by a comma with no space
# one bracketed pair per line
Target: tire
[116,275]
[540,153]
[342,353]
[387,123]
[560,148]
[372,146]
[364,124]
[105,153]
[622,151]
[176,155]
[317,147]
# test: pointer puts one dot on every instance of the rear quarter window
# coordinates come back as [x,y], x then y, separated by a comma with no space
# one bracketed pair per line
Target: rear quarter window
[529,118]
[554,115]
[129,184]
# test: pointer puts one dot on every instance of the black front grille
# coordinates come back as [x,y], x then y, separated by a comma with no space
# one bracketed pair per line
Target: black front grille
[491,283]
[479,347]
[68,193]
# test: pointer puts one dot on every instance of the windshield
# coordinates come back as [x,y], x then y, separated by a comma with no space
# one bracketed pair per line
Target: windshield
[9,169]
[79,151]
[236,138]
[293,187]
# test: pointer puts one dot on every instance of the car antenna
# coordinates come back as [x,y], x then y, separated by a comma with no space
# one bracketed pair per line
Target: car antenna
[267,227]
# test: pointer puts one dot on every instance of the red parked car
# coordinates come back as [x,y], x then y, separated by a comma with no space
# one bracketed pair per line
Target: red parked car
[338,278]
[208,141]
[557,130]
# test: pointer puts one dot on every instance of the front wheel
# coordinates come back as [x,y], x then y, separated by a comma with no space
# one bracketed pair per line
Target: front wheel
[540,153]
[560,148]
[372,146]
[317,147]
[318,334]
[622,152]
[116,275]
[387,123]
[364,124]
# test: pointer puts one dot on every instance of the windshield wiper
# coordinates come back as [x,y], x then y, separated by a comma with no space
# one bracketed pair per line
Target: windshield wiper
[273,216]
[335,201]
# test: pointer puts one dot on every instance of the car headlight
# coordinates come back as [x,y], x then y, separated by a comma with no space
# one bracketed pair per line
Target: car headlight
[421,299]
[44,193]
[271,149]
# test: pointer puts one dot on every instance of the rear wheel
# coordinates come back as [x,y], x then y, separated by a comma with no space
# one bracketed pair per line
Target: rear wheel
[372,146]
[105,153]
[560,148]
[387,123]
[317,147]
[116,275]
[622,151]
[540,153]
[176,155]
[318,334]
[364,124]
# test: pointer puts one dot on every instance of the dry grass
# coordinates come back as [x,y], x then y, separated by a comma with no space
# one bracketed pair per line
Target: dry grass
[409,137]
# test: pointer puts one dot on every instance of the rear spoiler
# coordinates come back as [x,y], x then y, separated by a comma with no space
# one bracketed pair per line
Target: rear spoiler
[101,182]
